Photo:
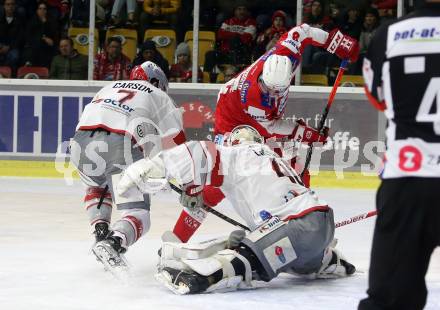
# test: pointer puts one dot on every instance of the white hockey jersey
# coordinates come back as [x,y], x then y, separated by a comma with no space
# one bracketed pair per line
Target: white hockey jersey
[136,108]
[252,177]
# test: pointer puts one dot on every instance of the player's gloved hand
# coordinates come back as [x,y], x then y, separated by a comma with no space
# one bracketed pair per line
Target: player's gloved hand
[345,47]
[305,134]
[192,197]
[235,237]
[147,174]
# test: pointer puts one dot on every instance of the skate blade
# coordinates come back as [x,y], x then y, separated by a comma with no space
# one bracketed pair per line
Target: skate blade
[116,264]
[164,278]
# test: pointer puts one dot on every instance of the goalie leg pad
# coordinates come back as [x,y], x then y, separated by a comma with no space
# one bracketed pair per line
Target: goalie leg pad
[312,234]
[298,245]
[272,246]
[334,265]
[225,270]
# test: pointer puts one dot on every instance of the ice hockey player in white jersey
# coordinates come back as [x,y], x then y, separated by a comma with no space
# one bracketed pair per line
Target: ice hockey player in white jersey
[292,230]
[126,121]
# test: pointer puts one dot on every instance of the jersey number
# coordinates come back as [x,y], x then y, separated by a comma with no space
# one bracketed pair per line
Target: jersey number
[129,95]
[431,97]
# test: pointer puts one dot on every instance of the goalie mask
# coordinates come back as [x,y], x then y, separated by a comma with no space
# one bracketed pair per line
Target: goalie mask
[244,134]
[152,73]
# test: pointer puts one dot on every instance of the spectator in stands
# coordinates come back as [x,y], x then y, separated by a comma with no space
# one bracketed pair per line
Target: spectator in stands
[384,4]
[235,39]
[69,64]
[148,52]
[351,24]
[267,39]
[58,10]
[386,8]
[81,12]
[112,64]
[264,10]
[371,22]
[115,20]
[159,10]
[335,13]
[41,38]
[11,36]
[316,18]
[370,25]
[181,71]
[229,73]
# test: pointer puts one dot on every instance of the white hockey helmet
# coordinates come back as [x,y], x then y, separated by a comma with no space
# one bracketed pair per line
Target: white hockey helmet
[277,74]
[149,71]
[244,134]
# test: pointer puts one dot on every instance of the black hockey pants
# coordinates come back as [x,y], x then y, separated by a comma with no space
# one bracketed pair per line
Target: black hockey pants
[406,233]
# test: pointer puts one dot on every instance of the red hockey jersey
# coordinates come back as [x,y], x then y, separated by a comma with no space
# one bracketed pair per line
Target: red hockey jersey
[241,101]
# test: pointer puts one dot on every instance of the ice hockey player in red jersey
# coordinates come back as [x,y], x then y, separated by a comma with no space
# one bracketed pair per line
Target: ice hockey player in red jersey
[258,96]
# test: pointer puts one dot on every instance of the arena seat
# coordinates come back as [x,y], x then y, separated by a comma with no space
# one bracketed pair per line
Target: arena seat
[166,47]
[206,43]
[80,38]
[220,78]
[206,77]
[314,79]
[128,38]
[352,81]
[30,72]
[5,72]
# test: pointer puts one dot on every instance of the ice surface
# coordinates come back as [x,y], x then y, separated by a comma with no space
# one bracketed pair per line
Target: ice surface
[45,260]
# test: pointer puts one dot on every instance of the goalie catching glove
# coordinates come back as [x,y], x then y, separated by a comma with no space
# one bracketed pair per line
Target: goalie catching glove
[305,134]
[148,175]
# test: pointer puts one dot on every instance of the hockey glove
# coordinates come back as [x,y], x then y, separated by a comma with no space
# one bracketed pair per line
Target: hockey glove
[235,237]
[305,134]
[192,197]
[147,174]
[345,47]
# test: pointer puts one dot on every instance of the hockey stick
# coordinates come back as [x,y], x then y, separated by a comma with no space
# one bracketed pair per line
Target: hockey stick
[211,210]
[356,218]
[351,220]
[331,97]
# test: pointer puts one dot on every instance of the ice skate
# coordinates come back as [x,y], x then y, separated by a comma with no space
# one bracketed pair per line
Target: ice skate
[335,266]
[110,253]
[182,282]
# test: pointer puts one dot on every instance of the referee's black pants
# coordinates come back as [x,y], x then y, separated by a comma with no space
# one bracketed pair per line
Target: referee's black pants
[406,233]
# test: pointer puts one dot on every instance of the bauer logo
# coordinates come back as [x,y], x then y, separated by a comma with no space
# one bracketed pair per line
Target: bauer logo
[279,253]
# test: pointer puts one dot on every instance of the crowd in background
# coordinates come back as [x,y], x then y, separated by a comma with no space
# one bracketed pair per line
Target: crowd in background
[34,33]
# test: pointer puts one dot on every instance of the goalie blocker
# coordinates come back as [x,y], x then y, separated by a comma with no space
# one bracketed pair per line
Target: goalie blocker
[301,246]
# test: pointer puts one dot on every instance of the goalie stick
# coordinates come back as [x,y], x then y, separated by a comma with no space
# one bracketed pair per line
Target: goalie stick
[331,97]
[356,218]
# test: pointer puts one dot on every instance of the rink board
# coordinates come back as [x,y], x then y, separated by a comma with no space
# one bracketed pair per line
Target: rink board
[48,169]
[38,119]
